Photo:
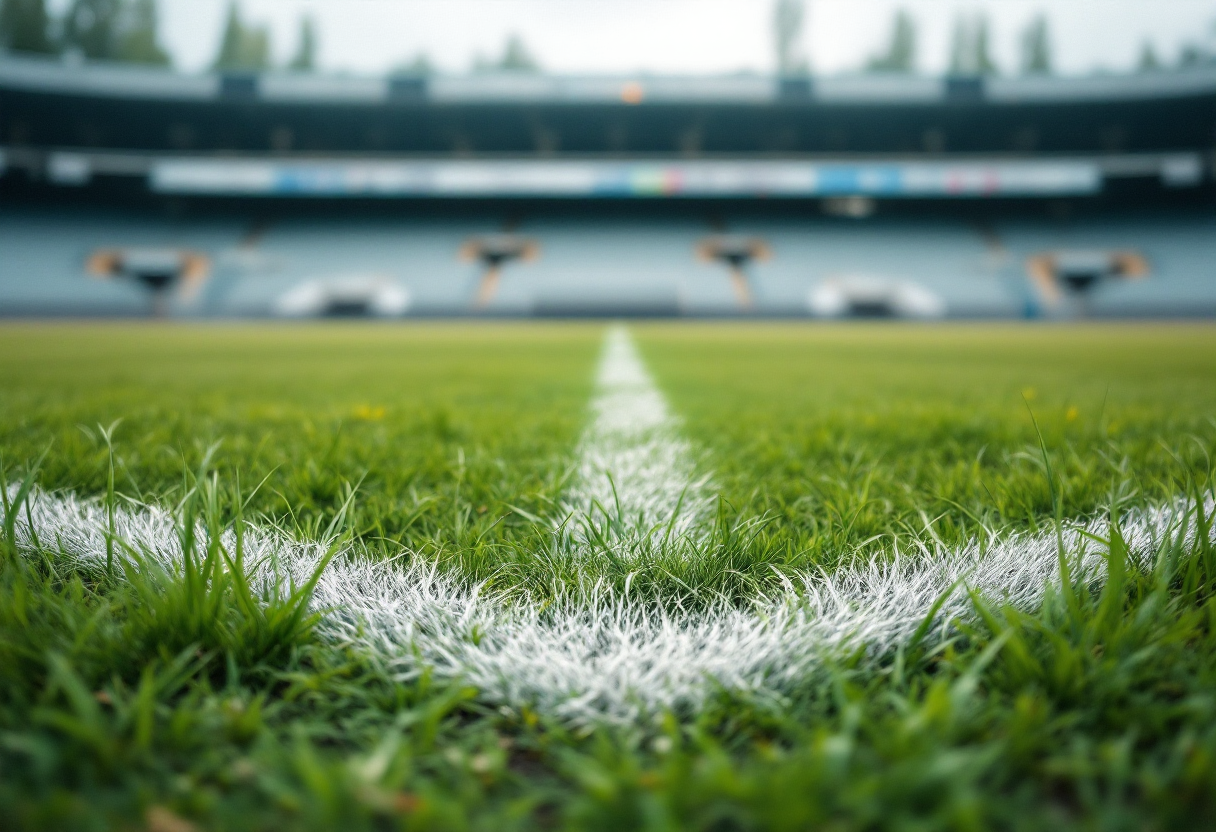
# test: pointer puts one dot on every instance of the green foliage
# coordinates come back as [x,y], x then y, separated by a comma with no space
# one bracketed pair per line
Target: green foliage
[137,42]
[900,55]
[419,65]
[305,58]
[92,27]
[516,57]
[970,50]
[25,26]
[1036,47]
[243,46]
[1148,61]
[788,19]
[139,698]
[115,30]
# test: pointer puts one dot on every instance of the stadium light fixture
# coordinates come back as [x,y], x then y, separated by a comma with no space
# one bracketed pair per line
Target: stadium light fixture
[737,253]
[633,93]
[494,252]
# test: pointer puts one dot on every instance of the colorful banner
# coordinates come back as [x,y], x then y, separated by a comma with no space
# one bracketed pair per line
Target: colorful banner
[630,179]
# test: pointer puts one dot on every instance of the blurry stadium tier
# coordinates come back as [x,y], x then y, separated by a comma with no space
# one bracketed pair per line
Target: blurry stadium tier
[132,191]
[65,124]
[635,178]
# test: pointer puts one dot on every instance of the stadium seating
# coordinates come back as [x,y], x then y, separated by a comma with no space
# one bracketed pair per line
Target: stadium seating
[530,194]
[1179,247]
[948,259]
[420,256]
[597,265]
[43,269]
[605,266]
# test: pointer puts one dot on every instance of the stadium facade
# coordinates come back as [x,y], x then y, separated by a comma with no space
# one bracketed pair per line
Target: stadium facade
[515,193]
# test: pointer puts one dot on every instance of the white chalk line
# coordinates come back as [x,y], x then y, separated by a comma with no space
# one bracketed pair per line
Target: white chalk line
[591,657]
[636,480]
[596,658]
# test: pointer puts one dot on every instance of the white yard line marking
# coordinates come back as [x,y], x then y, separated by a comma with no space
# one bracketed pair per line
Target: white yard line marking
[636,475]
[594,659]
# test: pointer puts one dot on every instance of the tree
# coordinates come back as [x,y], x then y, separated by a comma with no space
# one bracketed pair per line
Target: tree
[123,30]
[1149,62]
[1036,48]
[420,64]
[92,28]
[901,51]
[306,54]
[137,41]
[788,19]
[516,57]
[25,26]
[969,49]
[242,46]
[1191,55]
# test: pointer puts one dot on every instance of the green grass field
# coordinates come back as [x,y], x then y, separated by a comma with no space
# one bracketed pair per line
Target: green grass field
[175,699]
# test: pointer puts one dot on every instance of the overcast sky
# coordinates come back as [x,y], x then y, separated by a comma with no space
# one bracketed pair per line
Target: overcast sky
[682,36]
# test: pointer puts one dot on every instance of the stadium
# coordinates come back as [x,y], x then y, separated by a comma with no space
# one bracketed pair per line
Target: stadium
[281,194]
[508,449]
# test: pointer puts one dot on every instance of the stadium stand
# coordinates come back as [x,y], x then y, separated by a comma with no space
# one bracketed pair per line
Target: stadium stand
[615,267]
[130,191]
[1178,251]
[420,256]
[593,265]
[47,253]
[945,258]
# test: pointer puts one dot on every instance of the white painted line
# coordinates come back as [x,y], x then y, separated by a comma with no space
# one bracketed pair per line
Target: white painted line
[594,658]
[636,476]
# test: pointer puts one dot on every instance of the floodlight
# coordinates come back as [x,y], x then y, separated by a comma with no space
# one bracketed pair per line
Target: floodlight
[633,93]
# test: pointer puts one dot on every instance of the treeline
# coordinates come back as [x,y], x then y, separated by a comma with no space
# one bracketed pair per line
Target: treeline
[126,30]
[970,46]
[116,30]
[971,52]
[246,46]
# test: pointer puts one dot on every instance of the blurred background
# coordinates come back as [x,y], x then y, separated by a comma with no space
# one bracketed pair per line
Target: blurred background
[724,158]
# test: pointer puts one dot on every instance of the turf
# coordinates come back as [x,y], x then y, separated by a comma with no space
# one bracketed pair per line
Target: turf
[144,700]
[436,425]
[852,433]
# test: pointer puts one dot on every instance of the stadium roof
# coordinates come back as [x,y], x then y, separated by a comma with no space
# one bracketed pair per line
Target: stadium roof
[95,79]
[71,123]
